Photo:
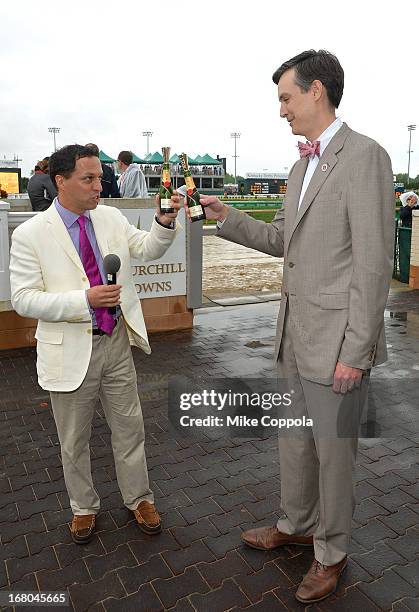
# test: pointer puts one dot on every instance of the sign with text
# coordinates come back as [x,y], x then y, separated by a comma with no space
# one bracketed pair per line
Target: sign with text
[162,277]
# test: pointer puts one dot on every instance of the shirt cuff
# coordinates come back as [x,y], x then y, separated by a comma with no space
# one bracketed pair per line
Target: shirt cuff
[91,310]
[220,223]
[171,226]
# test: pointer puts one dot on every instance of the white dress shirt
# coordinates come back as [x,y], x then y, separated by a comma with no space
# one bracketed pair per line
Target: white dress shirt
[324,139]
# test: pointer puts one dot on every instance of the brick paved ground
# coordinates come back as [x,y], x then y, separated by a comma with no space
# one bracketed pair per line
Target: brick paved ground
[207,489]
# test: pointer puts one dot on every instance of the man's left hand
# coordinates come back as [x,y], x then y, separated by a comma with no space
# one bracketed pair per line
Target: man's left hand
[167,218]
[346,378]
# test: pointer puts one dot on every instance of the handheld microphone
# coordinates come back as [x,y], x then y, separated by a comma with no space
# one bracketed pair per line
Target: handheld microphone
[111,265]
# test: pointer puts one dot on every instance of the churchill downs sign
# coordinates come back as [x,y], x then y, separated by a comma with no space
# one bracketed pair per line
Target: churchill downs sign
[162,277]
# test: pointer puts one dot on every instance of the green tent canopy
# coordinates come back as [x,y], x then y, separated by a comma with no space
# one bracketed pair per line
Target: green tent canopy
[176,160]
[192,161]
[198,159]
[207,160]
[155,158]
[105,158]
[137,160]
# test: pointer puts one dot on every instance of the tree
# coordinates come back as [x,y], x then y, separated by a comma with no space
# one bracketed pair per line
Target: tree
[24,183]
[229,178]
[413,183]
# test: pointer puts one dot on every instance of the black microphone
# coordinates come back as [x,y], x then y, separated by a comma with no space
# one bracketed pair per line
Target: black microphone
[111,265]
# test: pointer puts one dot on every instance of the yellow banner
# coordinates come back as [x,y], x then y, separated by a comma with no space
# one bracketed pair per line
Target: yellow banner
[9,181]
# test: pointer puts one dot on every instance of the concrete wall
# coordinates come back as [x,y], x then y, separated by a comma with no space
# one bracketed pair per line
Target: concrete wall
[162,314]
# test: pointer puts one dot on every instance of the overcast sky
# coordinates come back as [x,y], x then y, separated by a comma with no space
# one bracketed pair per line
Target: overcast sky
[193,72]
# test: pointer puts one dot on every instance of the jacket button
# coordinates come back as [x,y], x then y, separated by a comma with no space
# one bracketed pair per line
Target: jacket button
[291,264]
[89,331]
[83,278]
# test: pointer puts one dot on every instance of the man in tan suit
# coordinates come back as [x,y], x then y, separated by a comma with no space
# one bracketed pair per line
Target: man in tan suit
[335,233]
[85,328]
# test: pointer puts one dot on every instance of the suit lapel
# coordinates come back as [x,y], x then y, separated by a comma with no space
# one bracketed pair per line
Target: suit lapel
[294,189]
[325,166]
[99,225]
[60,234]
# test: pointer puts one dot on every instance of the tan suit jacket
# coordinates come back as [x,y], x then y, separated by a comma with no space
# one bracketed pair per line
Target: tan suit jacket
[337,249]
[48,283]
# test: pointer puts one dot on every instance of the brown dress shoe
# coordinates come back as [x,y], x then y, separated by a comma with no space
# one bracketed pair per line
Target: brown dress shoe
[320,581]
[269,538]
[148,518]
[82,528]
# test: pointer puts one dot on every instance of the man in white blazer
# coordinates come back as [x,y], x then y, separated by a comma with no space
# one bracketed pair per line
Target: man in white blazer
[335,233]
[85,328]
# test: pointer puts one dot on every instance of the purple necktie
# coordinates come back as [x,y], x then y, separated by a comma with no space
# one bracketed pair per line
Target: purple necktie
[104,320]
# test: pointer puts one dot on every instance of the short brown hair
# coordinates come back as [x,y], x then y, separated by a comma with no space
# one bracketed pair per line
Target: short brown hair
[93,147]
[63,161]
[316,65]
[125,157]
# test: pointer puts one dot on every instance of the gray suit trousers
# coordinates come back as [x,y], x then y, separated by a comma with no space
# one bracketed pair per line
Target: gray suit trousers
[111,377]
[317,492]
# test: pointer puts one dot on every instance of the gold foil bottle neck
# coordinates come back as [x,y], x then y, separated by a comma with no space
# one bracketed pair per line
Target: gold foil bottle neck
[184,162]
[166,154]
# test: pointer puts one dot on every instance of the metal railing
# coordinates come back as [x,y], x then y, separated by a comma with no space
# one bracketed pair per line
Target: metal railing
[402,244]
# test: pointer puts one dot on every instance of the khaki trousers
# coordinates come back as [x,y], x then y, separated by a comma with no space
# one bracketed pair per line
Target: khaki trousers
[111,377]
[317,491]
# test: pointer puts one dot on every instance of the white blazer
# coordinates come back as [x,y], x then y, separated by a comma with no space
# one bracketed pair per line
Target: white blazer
[48,283]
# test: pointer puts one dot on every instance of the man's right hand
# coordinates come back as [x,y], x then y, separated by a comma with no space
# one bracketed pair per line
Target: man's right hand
[104,296]
[214,209]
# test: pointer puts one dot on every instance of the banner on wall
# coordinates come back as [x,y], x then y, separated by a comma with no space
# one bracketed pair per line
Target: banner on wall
[162,277]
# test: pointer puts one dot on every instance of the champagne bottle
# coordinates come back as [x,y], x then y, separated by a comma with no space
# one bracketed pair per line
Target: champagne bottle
[196,211]
[166,189]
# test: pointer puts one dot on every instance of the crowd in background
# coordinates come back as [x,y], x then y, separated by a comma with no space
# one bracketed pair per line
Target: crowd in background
[131,182]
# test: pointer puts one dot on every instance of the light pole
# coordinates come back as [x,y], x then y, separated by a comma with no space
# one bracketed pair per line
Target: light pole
[148,134]
[410,128]
[54,130]
[235,135]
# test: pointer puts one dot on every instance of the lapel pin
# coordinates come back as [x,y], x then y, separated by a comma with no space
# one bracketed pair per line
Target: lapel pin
[325,167]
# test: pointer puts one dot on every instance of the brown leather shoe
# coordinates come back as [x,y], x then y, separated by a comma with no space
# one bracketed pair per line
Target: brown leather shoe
[82,528]
[320,581]
[148,518]
[269,538]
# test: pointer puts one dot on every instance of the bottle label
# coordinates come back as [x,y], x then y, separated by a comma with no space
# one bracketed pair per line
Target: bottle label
[196,211]
[165,204]
[189,183]
[166,176]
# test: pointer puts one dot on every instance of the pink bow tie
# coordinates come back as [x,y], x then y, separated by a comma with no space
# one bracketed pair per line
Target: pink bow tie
[309,149]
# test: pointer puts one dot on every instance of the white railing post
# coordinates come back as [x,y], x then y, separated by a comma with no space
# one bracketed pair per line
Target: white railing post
[4,252]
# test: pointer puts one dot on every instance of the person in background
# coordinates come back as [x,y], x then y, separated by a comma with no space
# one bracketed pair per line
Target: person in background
[109,183]
[131,183]
[409,202]
[41,189]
